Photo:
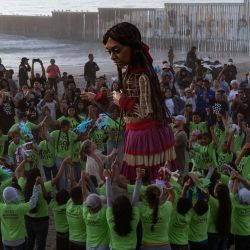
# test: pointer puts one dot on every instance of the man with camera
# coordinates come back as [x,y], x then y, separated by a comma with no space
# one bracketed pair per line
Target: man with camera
[37,77]
[24,68]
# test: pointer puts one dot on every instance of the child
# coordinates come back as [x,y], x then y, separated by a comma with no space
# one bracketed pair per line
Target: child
[47,156]
[95,161]
[16,142]
[58,206]
[197,124]
[179,222]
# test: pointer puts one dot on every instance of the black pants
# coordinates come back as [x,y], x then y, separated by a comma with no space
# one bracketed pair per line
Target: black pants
[179,247]
[215,242]
[198,245]
[37,231]
[75,246]
[242,242]
[53,83]
[62,241]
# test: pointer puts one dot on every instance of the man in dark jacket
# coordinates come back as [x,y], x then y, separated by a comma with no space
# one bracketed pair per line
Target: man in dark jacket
[230,71]
[90,70]
[24,68]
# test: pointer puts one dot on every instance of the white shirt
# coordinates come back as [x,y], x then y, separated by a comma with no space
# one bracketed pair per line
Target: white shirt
[232,95]
[51,106]
[170,105]
[92,167]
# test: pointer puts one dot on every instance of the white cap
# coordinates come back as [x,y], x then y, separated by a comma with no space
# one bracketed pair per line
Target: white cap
[10,195]
[93,201]
[181,118]
[244,196]
[233,82]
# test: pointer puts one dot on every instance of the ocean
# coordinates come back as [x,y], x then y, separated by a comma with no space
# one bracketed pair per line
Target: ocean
[66,53]
[45,7]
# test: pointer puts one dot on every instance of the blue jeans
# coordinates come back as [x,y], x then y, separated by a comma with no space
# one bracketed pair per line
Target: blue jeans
[50,172]
[77,171]
[63,183]
[37,231]
[20,247]
[120,153]
[98,248]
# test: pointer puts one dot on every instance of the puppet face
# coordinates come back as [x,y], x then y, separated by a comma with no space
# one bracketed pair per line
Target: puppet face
[120,54]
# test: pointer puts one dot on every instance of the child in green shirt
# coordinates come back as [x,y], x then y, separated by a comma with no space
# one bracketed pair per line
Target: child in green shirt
[58,206]
[62,140]
[197,124]
[12,217]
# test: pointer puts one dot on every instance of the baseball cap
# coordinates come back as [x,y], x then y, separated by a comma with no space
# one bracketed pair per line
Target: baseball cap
[181,118]
[93,201]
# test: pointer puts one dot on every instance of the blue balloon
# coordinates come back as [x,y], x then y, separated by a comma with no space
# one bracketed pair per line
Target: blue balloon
[83,126]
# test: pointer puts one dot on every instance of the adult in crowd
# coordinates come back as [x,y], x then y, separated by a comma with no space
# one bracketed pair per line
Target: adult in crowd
[24,69]
[90,69]
[54,75]
[37,77]
[2,69]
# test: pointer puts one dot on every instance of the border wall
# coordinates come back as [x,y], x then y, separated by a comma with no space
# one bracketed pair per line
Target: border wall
[214,27]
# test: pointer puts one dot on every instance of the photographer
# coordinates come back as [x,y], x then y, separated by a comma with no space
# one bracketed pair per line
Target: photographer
[24,68]
[2,69]
[37,77]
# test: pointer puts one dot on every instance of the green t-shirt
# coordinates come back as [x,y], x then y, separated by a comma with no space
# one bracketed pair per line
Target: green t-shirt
[98,136]
[221,136]
[62,142]
[198,227]
[123,242]
[34,155]
[160,233]
[12,150]
[244,167]
[202,126]
[60,218]
[178,228]
[240,224]
[29,125]
[42,206]
[96,227]
[3,139]
[213,214]
[101,190]
[224,179]
[73,122]
[201,156]
[224,158]
[12,220]
[47,153]
[77,227]
[238,141]
[113,129]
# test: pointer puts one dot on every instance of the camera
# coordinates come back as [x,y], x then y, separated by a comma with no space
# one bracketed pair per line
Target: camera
[36,60]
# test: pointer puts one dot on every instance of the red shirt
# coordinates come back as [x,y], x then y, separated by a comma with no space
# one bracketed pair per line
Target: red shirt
[53,71]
